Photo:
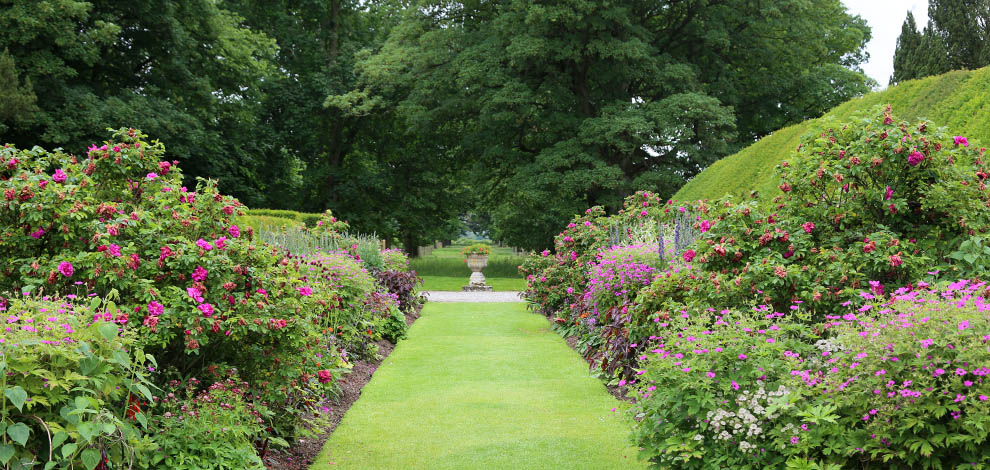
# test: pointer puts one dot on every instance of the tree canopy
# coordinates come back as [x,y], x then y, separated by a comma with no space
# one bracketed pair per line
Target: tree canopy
[565,104]
[957,37]
[406,116]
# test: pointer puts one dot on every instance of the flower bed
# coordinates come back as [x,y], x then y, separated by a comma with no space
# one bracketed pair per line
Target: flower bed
[734,298]
[190,289]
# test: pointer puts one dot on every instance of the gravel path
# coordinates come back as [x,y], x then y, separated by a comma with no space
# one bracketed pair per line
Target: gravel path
[455,296]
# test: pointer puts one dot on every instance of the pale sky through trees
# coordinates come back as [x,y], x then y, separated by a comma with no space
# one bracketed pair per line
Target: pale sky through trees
[886,18]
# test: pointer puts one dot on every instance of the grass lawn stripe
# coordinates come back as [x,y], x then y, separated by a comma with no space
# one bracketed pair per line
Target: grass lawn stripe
[481,386]
[448,283]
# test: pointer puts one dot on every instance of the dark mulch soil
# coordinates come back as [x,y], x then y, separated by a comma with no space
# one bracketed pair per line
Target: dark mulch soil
[302,453]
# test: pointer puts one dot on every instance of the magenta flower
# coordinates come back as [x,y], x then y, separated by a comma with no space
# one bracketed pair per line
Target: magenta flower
[194,294]
[151,176]
[207,310]
[808,226]
[205,245]
[325,376]
[689,256]
[155,308]
[305,291]
[234,231]
[200,274]
[705,226]
[915,158]
[59,176]
[114,249]
[38,233]
[221,243]
[963,325]
[960,140]
[65,268]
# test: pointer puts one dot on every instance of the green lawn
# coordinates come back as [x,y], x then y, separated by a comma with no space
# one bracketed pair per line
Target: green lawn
[482,386]
[455,283]
[449,262]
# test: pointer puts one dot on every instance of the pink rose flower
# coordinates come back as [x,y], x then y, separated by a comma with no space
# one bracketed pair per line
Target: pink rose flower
[915,158]
[207,310]
[65,268]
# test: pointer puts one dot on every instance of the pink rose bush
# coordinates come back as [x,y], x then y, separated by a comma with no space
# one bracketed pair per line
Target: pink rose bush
[190,288]
[808,328]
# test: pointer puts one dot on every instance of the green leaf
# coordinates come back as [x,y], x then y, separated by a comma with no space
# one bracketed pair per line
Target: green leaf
[87,430]
[17,396]
[59,438]
[6,452]
[82,403]
[90,458]
[145,391]
[120,357]
[141,418]
[19,432]
[108,330]
[69,449]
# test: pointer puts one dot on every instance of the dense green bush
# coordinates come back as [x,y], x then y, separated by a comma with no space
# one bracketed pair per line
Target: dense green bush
[394,259]
[894,382]
[192,288]
[68,373]
[749,345]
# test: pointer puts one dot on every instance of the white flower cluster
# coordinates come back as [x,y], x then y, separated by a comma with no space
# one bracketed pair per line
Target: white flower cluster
[746,421]
[825,346]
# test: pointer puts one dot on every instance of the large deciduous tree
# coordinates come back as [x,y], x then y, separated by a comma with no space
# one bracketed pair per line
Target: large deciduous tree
[557,105]
[956,37]
[186,72]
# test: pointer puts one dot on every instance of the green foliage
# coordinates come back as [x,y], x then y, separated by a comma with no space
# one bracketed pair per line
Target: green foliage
[18,103]
[190,287]
[307,219]
[394,259]
[556,107]
[219,433]
[191,73]
[67,378]
[954,39]
[800,332]
[900,387]
[956,100]
[264,223]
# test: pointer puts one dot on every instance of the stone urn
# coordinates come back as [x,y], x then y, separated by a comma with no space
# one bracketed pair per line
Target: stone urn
[476,263]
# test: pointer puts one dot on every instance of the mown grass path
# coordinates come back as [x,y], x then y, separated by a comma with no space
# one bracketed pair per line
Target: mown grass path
[481,386]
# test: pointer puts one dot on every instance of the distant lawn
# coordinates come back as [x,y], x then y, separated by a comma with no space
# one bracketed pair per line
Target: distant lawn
[455,283]
[449,262]
[454,251]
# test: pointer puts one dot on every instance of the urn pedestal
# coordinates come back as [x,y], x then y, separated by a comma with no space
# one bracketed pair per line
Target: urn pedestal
[477,282]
